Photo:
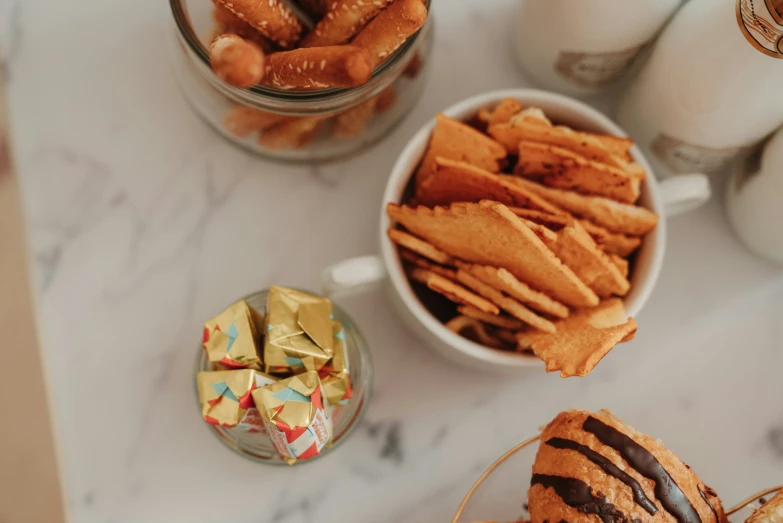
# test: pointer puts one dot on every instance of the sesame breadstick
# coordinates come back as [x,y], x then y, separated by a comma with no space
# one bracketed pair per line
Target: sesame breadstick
[352,122]
[236,61]
[228,22]
[389,30]
[242,121]
[344,19]
[291,134]
[318,68]
[271,18]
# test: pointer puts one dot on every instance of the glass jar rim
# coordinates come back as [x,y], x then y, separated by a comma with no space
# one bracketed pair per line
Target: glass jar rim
[290,99]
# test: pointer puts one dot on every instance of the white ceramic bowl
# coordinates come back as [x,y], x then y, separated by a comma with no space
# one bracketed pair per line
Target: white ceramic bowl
[672,196]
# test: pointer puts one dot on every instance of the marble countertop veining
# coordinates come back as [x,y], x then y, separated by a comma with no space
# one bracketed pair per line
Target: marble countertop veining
[144,223]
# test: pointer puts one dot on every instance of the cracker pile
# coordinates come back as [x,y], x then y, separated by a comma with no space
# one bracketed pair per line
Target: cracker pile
[264,42]
[530,228]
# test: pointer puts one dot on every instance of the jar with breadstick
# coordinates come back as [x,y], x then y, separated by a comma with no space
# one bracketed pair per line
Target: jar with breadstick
[302,80]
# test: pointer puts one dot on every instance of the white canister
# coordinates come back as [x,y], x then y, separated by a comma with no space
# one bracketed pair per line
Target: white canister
[579,47]
[713,85]
[754,199]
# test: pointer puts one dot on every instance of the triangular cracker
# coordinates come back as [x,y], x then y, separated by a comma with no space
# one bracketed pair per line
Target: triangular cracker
[455,181]
[621,264]
[452,291]
[510,305]
[582,340]
[578,250]
[457,141]
[611,150]
[489,234]
[504,281]
[770,512]
[419,246]
[504,111]
[504,322]
[563,169]
[612,242]
[615,216]
[424,263]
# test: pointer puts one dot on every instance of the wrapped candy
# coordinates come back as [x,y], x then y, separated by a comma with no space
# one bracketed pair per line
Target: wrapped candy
[298,331]
[335,375]
[231,339]
[226,398]
[297,417]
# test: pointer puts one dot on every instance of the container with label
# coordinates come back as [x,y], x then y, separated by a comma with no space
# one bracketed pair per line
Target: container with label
[753,200]
[581,47]
[712,85]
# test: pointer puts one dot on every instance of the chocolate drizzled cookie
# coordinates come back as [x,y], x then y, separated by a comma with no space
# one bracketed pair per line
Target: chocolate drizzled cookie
[592,467]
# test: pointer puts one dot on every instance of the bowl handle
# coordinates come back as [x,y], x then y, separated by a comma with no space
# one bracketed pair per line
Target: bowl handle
[684,193]
[352,276]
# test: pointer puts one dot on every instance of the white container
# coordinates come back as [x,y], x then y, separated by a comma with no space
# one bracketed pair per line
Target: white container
[580,46]
[713,85]
[754,200]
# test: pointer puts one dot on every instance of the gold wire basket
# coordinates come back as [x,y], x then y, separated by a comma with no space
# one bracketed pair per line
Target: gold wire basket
[500,482]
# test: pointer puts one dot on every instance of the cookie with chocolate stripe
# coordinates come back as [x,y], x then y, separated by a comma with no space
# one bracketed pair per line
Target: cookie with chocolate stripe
[591,467]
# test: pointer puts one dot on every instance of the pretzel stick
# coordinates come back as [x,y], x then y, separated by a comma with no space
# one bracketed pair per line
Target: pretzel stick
[236,61]
[318,67]
[271,18]
[344,19]
[389,30]
[242,121]
[228,22]
[291,134]
[352,122]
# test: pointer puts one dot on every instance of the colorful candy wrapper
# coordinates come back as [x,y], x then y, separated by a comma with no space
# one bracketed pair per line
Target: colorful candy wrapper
[335,375]
[297,417]
[298,331]
[231,338]
[226,398]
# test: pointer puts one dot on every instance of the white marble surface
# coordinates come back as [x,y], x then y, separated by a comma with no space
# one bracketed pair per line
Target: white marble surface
[144,223]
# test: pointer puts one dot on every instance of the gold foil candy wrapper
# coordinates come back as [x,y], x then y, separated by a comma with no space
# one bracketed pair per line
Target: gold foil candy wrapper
[297,416]
[298,333]
[226,398]
[335,376]
[231,338]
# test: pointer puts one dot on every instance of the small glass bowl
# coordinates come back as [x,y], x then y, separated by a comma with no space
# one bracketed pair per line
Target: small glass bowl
[496,494]
[399,81]
[258,446]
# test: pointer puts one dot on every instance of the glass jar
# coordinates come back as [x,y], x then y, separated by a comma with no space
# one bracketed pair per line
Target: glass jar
[258,446]
[397,83]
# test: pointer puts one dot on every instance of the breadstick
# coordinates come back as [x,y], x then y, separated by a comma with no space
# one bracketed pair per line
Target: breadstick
[228,22]
[271,18]
[389,30]
[318,68]
[352,122]
[386,99]
[291,134]
[236,61]
[241,120]
[344,19]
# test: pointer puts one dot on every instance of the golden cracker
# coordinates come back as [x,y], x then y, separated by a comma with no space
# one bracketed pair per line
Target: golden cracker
[504,322]
[489,234]
[419,246]
[506,282]
[506,303]
[424,263]
[452,291]
[582,340]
